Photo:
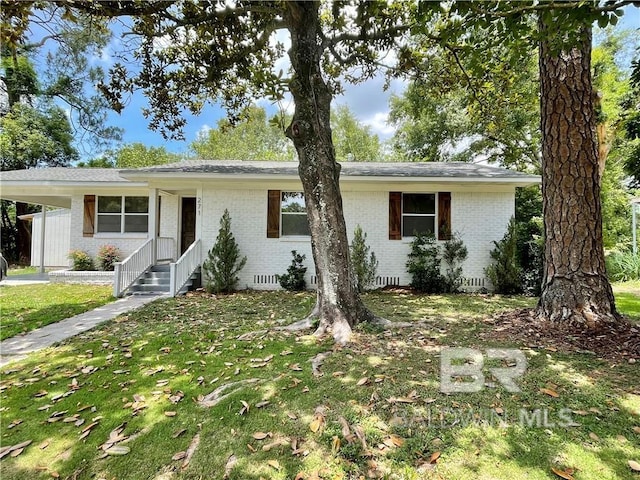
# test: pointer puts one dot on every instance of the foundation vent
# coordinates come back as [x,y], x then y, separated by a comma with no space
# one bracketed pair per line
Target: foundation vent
[477,282]
[265,279]
[387,281]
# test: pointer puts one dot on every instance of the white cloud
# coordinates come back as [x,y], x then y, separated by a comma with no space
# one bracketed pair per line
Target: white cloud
[203,131]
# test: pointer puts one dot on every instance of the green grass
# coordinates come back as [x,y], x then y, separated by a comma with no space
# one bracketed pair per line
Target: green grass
[628,298]
[21,270]
[131,371]
[26,307]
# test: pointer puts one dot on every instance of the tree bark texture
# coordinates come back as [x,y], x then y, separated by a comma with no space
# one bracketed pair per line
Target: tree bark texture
[575,288]
[340,307]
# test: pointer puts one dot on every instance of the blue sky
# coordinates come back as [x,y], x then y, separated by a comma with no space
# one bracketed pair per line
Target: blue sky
[368,101]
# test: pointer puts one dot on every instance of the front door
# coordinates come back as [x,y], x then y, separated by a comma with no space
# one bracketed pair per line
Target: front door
[188,224]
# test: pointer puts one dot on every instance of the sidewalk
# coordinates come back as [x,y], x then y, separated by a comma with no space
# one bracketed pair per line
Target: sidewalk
[18,347]
[25,279]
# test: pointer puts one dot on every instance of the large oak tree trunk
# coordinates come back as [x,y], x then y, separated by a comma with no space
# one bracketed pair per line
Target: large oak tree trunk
[575,288]
[339,306]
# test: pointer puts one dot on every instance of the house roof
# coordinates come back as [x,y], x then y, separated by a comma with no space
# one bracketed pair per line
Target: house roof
[63,174]
[53,186]
[458,170]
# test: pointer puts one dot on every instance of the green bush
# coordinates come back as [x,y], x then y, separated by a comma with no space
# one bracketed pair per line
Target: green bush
[505,272]
[107,256]
[454,253]
[223,260]
[363,260]
[81,261]
[623,266]
[294,280]
[424,264]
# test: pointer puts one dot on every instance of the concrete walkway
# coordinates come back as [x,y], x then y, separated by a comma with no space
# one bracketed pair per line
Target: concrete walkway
[18,347]
[25,279]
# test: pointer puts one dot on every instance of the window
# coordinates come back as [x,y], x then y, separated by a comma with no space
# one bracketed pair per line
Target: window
[123,214]
[293,214]
[286,214]
[411,212]
[418,213]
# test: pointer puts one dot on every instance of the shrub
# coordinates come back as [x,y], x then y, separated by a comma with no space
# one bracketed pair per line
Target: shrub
[81,260]
[294,280]
[223,260]
[364,262]
[107,256]
[623,266]
[454,253]
[505,273]
[424,264]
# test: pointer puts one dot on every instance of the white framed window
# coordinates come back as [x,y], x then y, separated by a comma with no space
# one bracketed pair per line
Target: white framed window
[120,214]
[418,213]
[293,215]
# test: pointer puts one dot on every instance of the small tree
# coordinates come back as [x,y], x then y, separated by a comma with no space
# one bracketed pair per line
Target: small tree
[294,280]
[424,264]
[454,253]
[505,273]
[81,260]
[223,261]
[364,262]
[107,256]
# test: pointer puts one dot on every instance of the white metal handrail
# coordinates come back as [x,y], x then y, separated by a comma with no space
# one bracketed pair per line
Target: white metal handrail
[132,268]
[184,267]
[166,249]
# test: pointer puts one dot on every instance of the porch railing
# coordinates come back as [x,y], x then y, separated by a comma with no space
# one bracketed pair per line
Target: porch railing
[132,268]
[184,268]
[166,249]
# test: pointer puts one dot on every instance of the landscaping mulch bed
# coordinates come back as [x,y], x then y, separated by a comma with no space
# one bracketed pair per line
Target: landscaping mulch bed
[615,343]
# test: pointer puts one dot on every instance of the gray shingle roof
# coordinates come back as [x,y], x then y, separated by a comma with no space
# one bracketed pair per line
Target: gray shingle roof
[349,169]
[63,174]
[213,168]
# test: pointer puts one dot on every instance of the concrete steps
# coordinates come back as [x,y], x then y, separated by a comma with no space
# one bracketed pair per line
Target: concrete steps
[158,280]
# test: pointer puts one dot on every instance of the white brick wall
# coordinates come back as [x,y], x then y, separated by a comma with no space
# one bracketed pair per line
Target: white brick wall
[126,243]
[479,217]
[479,214]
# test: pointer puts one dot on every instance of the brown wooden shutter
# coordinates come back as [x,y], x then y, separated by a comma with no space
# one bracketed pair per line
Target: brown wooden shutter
[273,214]
[444,215]
[88,226]
[395,216]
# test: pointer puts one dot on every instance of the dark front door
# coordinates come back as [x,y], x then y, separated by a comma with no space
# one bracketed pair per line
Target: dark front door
[188,225]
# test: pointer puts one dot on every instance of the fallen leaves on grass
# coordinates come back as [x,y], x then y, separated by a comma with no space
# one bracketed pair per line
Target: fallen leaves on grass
[567,474]
[633,465]
[551,393]
[14,450]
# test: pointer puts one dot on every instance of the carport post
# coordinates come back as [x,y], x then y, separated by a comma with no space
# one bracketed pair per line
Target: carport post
[43,226]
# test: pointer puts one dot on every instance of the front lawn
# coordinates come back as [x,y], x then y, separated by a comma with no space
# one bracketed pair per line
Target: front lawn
[26,307]
[628,298]
[123,401]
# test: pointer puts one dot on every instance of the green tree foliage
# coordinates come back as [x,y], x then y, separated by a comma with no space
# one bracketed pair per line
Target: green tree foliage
[63,46]
[363,260]
[223,260]
[294,280]
[424,264]
[449,113]
[132,155]
[454,252]
[253,137]
[136,155]
[530,237]
[32,138]
[505,272]
[631,122]
[353,141]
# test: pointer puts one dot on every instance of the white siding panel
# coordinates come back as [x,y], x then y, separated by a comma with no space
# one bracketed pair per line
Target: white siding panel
[56,240]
